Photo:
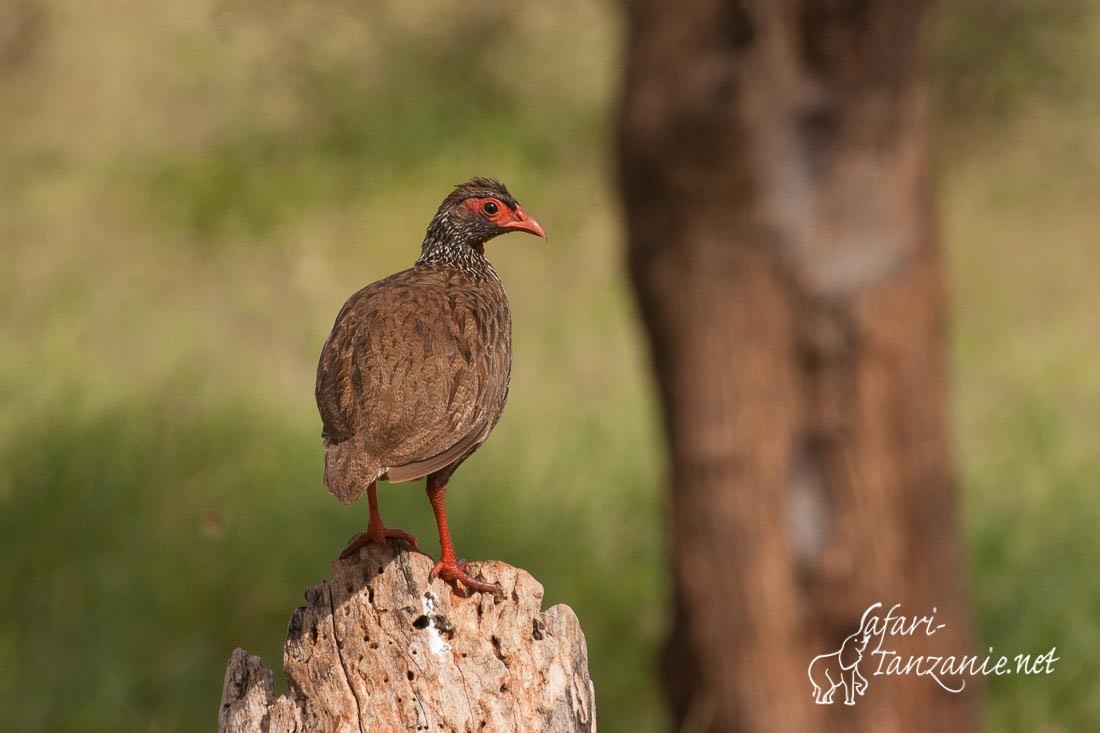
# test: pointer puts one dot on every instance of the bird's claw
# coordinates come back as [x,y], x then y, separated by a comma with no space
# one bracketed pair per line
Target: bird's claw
[398,534]
[455,572]
[378,537]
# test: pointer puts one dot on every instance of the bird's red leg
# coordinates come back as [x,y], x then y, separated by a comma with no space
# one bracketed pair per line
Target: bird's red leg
[376,531]
[448,567]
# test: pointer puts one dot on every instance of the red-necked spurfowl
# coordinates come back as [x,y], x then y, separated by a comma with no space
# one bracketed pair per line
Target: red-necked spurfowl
[415,373]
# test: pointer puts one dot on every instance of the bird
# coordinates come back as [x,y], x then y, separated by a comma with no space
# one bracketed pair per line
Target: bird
[415,374]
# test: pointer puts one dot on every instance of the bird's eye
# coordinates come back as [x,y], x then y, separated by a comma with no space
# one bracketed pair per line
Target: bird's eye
[490,208]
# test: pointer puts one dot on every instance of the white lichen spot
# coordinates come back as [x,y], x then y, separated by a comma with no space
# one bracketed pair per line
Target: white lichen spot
[436,645]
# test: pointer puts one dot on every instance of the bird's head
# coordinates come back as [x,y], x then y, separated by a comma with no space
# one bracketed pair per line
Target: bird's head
[475,212]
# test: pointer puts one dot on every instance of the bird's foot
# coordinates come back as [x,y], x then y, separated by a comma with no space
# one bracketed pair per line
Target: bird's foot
[377,535]
[455,572]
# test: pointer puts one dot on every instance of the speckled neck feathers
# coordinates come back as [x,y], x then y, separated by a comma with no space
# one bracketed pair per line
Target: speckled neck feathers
[455,236]
[448,245]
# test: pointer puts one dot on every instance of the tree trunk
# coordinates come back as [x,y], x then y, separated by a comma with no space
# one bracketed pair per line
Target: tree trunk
[782,245]
[384,649]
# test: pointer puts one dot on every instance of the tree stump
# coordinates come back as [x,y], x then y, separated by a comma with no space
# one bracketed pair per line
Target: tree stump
[381,648]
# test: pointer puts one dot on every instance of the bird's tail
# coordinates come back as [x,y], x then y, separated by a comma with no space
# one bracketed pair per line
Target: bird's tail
[348,470]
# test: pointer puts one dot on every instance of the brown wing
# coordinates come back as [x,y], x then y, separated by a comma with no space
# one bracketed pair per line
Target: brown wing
[454,454]
[415,373]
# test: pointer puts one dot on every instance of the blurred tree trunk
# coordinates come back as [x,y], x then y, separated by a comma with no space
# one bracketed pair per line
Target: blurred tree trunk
[782,245]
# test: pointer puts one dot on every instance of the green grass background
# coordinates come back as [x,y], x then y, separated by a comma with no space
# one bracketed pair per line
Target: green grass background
[188,192]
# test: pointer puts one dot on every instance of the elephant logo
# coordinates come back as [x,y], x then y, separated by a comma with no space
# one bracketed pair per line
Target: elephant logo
[841,668]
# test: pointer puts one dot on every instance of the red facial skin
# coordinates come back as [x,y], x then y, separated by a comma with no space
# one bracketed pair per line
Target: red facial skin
[505,218]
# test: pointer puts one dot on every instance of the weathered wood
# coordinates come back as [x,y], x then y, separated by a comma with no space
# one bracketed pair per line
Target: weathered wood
[381,648]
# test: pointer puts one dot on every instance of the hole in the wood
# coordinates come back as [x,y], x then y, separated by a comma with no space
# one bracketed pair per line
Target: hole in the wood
[410,675]
[443,624]
[370,595]
[386,678]
[374,645]
[296,623]
[504,688]
[380,569]
[421,622]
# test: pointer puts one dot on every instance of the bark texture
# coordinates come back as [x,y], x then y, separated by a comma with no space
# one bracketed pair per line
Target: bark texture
[782,245]
[382,649]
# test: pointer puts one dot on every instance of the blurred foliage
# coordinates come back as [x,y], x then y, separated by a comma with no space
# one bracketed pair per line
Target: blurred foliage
[995,57]
[189,191]
[429,94]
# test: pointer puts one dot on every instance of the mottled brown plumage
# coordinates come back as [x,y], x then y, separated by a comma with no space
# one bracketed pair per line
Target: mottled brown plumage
[417,365]
[415,373]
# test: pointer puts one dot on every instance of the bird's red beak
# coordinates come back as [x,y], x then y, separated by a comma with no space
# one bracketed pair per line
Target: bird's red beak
[520,222]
